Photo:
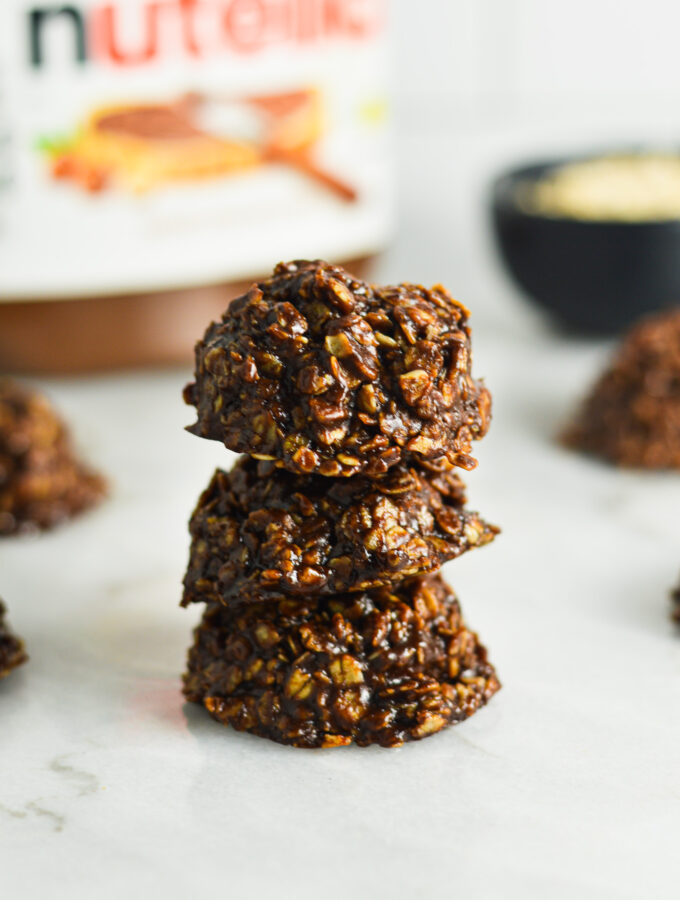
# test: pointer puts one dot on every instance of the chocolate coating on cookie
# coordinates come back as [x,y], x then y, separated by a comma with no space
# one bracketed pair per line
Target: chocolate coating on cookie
[326,374]
[632,415]
[260,532]
[42,483]
[12,652]
[379,667]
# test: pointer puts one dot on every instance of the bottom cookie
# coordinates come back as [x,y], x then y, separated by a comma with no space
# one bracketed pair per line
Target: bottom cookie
[11,648]
[380,667]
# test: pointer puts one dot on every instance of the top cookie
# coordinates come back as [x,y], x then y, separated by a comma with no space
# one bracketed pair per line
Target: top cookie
[323,373]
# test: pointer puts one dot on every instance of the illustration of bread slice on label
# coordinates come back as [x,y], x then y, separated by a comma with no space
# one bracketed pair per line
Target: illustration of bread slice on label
[199,136]
[147,145]
[294,121]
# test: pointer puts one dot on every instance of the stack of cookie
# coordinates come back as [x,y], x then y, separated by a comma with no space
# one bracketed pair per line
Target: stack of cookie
[316,555]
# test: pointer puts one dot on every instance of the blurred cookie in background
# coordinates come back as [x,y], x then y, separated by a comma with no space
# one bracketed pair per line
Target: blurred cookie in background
[12,653]
[632,415]
[42,482]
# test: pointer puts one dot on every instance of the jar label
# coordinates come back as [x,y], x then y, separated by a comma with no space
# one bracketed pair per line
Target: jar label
[147,144]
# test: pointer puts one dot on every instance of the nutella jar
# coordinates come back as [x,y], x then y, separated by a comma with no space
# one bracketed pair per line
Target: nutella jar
[158,155]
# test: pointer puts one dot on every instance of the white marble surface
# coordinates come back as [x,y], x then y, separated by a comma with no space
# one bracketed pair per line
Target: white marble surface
[566,785]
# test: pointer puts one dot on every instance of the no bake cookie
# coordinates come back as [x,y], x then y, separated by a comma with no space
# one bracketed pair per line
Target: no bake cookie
[12,652]
[675,601]
[632,415]
[326,374]
[42,482]
[378,667]
[260,532]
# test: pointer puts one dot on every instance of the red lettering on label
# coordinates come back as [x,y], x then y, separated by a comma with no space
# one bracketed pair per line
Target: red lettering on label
[188,12]
[206,27]
[306,20]
[352,18]
[104,36]
[245,25]
[364,19]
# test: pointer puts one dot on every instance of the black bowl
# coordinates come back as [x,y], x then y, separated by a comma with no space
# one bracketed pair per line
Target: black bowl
[594,276]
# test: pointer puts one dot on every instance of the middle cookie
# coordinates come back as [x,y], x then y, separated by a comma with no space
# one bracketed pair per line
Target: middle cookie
[260,531]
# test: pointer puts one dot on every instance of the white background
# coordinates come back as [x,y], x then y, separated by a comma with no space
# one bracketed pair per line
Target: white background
[519,53]
[567,785]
